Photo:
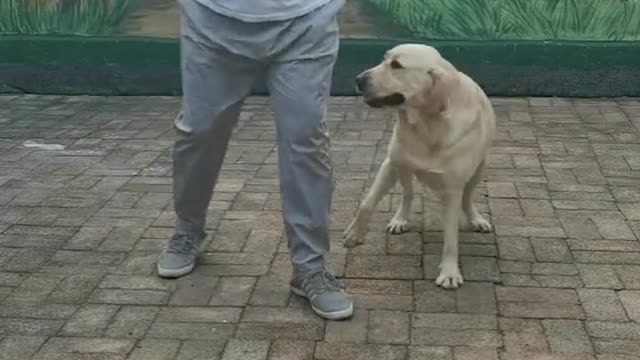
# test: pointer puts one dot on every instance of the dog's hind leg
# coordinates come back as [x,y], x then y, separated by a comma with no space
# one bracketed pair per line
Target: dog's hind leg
[384,181]
[478,223]
[400,221]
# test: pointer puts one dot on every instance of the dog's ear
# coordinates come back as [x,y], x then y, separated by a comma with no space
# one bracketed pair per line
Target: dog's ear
[442,82]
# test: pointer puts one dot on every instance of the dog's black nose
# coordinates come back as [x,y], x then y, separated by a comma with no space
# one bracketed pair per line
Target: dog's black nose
[361,82]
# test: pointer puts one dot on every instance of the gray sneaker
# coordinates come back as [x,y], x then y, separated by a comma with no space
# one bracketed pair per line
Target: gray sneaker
[325,294]
[179,258]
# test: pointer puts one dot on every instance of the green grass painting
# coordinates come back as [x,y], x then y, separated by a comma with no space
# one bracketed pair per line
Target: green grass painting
[597,20]
[83,17]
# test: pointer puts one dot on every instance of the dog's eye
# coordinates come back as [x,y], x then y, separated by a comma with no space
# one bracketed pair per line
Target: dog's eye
[396,65]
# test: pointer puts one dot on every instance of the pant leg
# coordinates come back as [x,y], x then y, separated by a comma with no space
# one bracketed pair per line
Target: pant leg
[299,83]
[215,82]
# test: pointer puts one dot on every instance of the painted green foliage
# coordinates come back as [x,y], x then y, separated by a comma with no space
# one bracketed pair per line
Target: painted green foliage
[85,17]
[516,19]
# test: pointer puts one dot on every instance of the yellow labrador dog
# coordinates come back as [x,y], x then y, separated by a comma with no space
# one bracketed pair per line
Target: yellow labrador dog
[442,137]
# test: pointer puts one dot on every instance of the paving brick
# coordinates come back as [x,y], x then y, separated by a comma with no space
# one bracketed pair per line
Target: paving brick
[546,356]
[155,350]
[601,305]
[617,349]
[330,351]
[430,352]
[291,350]
[195,289]
[74,289]
[567,336]
[477,268]
[551,250]
[122,239]
[37,310]
[580,227]
[631,302]
[628,330]
[433,299]
[352,331]
[523,335]
[615,229]
[246,350]
[558,281]
[476,298]
[279,331]
[442,337]
[135,282]
[30,327]
[90,320]
[70,345]
[129,297]
[377,294]
[516,267]
[274,315]
[502,190]
[190,330]
[232,291]
[455,330]
[132,322]
[201,349]
[607,257]
[541,310]
[20,347]
[629,276]
[599,276]
[384,267]
[534,295]
[271,291]
[616,357]
[515,248]
[199,314]
[389,327]
[467,353]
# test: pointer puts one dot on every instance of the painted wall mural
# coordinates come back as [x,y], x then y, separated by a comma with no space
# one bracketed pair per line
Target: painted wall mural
[583,20]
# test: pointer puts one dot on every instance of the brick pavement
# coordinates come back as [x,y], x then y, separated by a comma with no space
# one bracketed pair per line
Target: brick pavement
[80,229]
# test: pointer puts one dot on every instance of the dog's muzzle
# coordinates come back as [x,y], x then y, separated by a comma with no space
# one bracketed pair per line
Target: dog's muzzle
[361,82]
[395,99]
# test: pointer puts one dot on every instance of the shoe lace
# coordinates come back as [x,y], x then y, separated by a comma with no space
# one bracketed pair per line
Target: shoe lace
[183,244]
[322,280]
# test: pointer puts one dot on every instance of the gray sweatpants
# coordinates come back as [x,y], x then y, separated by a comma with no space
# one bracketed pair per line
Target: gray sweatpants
[221,59]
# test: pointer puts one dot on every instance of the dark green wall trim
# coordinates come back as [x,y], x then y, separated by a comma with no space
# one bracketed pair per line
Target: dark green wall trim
[148,66]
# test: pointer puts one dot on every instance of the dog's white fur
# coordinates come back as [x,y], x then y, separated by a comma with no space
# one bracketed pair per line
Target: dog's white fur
[442,137]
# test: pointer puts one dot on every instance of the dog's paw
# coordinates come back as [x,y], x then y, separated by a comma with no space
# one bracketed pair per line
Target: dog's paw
[397,226]
[354,235]
[450,276]
[479,224]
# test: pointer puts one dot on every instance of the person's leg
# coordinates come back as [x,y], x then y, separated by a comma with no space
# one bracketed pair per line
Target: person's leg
[299,83]
[215,82]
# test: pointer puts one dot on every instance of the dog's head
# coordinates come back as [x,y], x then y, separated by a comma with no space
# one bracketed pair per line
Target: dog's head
[409,75]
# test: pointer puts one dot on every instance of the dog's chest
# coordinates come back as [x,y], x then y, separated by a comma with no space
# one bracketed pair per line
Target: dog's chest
[416,149]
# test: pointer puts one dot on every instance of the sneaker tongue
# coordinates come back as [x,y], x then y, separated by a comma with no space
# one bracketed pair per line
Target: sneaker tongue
[326,280]
[182,244]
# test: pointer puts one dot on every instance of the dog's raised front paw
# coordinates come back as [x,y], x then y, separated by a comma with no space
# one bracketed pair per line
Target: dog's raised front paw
[450,277]
[397,226]
[354,235]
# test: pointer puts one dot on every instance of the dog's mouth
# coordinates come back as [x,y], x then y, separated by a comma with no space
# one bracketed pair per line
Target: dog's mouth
[394,99]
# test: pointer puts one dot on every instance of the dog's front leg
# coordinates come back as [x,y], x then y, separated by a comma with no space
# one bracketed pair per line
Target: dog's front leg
[384,181]
[399,222]
[450,276]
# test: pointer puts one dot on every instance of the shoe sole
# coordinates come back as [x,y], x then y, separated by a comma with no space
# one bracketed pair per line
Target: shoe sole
[175,273]
[335,315]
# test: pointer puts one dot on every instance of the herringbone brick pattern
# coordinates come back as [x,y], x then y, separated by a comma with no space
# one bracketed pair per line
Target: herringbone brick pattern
[81,227]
